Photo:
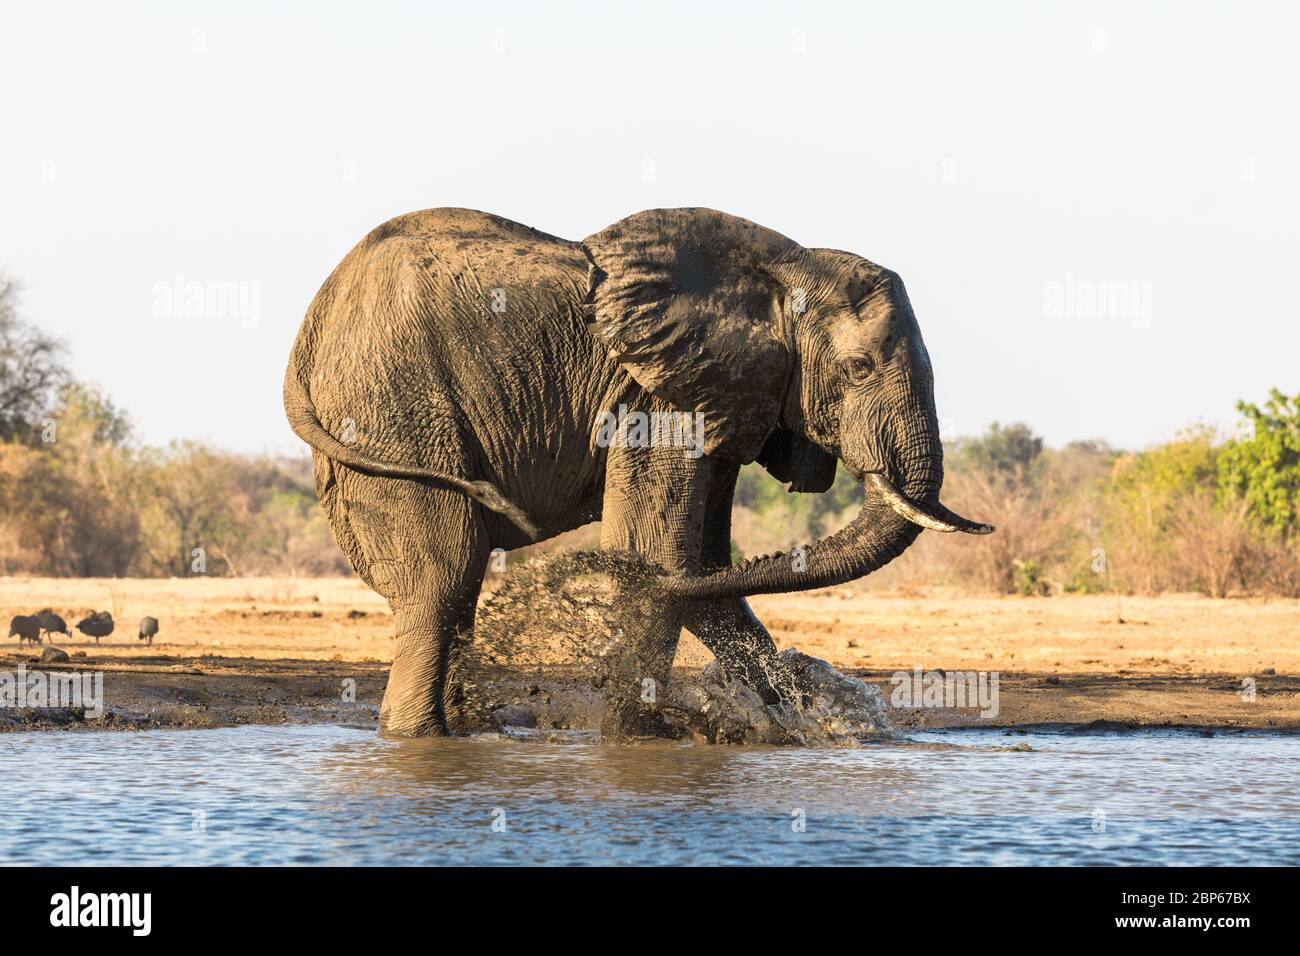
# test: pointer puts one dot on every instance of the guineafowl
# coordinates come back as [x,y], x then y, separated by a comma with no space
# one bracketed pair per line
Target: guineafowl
[51,623]
[97,625]
[148,628]
[27,627]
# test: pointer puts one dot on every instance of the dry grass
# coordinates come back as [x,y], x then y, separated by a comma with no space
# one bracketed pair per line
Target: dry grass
[339,618]
[303,618]
[1173,634]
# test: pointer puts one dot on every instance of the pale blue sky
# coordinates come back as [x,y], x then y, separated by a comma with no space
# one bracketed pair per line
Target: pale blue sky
[1003,157]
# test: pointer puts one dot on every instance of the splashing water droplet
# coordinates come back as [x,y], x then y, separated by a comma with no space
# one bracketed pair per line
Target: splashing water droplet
[548,640]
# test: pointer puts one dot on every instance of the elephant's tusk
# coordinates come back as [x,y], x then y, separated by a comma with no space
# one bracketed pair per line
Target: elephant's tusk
[935,516]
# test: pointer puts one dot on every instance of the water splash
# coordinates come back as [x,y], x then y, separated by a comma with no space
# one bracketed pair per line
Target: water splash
[556,635]
[831,709]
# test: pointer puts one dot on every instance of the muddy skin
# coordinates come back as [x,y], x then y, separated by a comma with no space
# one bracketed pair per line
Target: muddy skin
[455,374]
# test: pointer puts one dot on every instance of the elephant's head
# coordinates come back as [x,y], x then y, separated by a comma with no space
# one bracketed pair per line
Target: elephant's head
[793,355]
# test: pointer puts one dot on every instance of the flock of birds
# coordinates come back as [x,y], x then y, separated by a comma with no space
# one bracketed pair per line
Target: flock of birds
[97,624]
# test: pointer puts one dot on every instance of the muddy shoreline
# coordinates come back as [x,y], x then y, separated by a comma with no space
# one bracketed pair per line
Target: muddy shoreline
[156,692]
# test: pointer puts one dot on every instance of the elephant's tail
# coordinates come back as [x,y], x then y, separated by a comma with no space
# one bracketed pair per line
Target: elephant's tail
[307,426]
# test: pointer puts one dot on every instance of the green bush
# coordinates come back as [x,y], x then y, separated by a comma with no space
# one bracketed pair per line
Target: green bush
[1264,467]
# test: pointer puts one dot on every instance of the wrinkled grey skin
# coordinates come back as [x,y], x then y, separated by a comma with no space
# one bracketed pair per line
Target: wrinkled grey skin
[27,627]
[451,377]
[148,628]
[96,625]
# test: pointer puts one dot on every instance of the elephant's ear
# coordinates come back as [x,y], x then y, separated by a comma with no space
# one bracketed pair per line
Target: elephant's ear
[797,463]
[687,302]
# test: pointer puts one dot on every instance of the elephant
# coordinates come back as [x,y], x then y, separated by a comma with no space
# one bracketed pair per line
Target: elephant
[457,374]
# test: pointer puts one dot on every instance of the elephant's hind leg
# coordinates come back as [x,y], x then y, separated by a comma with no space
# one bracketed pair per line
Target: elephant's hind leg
[426,551]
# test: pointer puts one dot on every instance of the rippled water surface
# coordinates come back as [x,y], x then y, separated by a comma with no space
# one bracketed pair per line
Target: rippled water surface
[323,794]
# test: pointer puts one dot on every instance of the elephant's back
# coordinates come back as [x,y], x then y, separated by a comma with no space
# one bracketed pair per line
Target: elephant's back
[449,268]
[454,225]
[436,323]
[490,251]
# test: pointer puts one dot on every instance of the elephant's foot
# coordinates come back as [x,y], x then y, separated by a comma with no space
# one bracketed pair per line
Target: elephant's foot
[406,726]
[766,676]
[410,712]
[633,720]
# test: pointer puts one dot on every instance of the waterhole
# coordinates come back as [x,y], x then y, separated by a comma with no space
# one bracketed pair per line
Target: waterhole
[337,795]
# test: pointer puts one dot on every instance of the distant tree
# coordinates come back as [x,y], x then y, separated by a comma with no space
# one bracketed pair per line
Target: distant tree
[189,492]
[1188,463]
[1264,468]
[32,370]
[1155,501]
[69,501]
[757,490]
[86,412]
[1002,452]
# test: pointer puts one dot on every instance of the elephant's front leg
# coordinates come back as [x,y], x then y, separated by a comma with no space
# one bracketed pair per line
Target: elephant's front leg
[636,682]
[728,628]
[741,644]
[655,503]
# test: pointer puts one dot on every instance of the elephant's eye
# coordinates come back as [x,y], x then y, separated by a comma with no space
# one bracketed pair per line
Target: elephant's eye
[860,367]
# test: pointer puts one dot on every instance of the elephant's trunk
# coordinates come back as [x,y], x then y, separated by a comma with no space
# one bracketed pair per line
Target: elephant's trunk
[888,523]
[871,540]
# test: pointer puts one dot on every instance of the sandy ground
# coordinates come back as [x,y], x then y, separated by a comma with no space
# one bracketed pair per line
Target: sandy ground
[275,650]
